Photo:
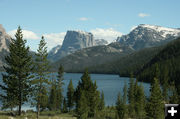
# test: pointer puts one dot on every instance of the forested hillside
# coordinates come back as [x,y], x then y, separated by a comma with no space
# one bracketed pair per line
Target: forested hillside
[166,63]
[129,63]
[92,56]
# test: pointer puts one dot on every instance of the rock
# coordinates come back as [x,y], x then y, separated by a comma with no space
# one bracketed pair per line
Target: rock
[144,36]
[5,39]
[73,41]
[100,42]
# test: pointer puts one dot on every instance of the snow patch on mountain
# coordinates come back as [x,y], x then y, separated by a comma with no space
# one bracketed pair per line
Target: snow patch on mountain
[162,30]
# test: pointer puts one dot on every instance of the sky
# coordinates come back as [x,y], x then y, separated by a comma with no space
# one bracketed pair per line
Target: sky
[106,19]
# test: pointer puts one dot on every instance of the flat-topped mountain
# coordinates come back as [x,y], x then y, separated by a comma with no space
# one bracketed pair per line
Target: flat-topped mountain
[73,41]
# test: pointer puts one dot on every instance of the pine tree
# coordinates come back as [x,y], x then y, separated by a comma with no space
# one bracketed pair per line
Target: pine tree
[53,96]
[64,110]
[82,107]
[120,107]
[59,89]
[174,98]
[44,99]
[94,99]
[157,71]
[102,103]
[125,93]
[70,95]
[125,100]
[131,98]
[91,94]
[165,85]
[140,103]
[18,72]
[155,102]
[41,67]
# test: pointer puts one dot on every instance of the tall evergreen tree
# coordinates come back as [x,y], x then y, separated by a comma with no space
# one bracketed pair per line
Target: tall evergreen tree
[18,73]
[125,110]
[44,99]
[82,107]
[94,100]
[64,109]
[174,97]
[53,96]
[157,71]
[131,98]
[120,107]
[125,93]
[59,89]
[70,95]
[165,84]
[155,102]
[91,94]
[102,103]
[140,103]
[41,66]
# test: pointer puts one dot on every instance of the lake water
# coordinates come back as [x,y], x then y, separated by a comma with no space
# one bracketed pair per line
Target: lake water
[109,84]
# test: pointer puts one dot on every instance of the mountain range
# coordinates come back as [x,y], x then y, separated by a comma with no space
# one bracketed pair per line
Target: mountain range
[144,36]
[81,50]
[140,38]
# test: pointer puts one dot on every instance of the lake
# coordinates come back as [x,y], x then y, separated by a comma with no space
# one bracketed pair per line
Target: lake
[109,84]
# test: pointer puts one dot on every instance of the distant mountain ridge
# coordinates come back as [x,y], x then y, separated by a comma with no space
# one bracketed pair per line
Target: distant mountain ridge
[144,36]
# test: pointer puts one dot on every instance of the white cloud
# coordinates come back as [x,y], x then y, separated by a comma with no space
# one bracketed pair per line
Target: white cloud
[107,34]
[26,34]
[54,39]
[142,15]
[83,19]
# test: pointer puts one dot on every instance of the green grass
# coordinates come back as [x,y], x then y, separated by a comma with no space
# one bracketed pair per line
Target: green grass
[44,115]
[107,113]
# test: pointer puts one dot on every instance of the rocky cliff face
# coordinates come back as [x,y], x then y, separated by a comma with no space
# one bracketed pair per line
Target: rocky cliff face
[4,42]
[144,36]
[73,41]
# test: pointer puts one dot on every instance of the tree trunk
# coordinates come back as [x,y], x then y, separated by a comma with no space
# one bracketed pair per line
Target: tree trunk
[20,102]
[38,111]
[20,108]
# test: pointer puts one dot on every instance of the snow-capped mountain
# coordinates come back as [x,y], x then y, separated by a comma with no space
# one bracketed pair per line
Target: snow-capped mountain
[144,36]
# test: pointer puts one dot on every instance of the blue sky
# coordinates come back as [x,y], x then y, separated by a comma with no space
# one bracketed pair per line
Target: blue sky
[104,18]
